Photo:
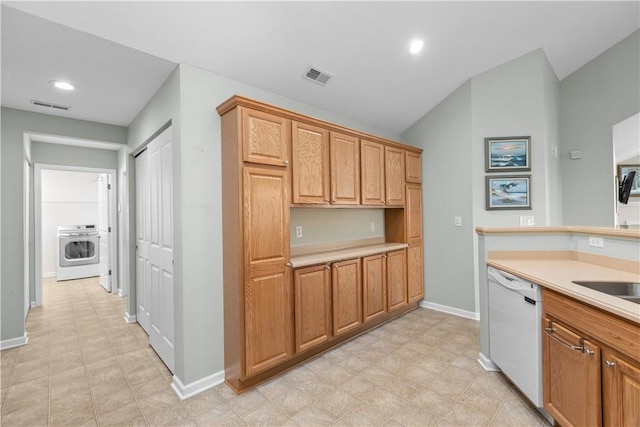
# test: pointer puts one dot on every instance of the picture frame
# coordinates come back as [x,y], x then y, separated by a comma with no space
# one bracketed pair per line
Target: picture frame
[508,154]
[623,170]
[508,192]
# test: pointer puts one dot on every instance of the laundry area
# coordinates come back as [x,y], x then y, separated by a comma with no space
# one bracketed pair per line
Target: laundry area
[75,226]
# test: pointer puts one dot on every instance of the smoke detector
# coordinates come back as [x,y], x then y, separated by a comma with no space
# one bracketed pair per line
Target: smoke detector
[317,76]
[50,105]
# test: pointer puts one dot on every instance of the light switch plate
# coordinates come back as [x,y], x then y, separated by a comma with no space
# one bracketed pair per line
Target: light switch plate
[457,221]
[298,231]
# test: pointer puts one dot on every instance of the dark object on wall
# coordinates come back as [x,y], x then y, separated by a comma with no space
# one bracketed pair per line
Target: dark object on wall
[624,188]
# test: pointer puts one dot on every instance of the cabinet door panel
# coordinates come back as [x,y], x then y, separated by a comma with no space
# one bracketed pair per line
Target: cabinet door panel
[413,211]
[396,279]
[372,173]
[345,169]
[374,286]
[415,282]
[312,287]
[346,285]
[394,176]
[310,166]
[571,377]
[266,219]
[621,389]
[266,138]
[413,167]
[267,321]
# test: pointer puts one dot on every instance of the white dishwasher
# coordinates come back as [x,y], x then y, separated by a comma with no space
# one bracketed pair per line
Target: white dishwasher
[515,339]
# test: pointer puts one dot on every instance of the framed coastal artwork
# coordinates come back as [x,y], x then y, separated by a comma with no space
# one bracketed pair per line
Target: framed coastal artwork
[508,192]
[507,154]
[623,170]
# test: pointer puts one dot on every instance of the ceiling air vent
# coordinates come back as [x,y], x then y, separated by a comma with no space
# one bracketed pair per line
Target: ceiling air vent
[317,76]
[50,105]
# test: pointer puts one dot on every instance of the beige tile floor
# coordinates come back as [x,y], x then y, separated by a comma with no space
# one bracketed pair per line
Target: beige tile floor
[85,366]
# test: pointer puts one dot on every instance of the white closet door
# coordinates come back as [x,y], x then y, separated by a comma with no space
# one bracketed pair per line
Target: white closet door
[142,240]
[161,334]
[104,186]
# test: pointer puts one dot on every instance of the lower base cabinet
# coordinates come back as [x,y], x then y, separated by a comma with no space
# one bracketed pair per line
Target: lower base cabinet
[396,279]
[346,284]
[591,364]
[268,322]
[312,288]
[374,286]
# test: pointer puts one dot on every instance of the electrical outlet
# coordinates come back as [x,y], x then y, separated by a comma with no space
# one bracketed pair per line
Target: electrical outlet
[596,242]
[298,231]
[527,221]
[372,226]
[457,221]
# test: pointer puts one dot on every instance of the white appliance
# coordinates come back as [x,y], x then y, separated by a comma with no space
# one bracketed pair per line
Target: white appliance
[78,252]
[515,332]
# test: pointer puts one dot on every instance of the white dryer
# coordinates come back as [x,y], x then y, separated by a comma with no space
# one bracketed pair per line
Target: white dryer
[78,252]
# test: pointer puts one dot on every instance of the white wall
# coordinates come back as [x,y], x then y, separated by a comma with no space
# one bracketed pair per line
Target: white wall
[592,100]
[12,153]
[68,198]
[514,99]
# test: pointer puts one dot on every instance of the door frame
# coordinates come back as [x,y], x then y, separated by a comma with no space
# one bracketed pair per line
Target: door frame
[37,205]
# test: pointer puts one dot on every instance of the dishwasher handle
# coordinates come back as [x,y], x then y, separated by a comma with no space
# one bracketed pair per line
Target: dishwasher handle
[505,280]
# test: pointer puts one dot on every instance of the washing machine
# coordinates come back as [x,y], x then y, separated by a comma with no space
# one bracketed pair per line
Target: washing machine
[78,252]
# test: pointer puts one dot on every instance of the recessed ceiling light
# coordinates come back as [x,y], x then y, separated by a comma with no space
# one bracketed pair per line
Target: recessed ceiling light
[416,46]
[62,85]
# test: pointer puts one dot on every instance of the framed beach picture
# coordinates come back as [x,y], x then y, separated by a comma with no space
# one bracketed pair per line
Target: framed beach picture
[623,170]
[507,154]
[508,192]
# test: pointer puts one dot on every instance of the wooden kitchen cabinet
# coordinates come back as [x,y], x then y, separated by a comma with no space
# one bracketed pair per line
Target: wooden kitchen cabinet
[374,286]
[372,173]
[415,260]
[579,393]
[394,176]
[312,289]
[396,280]
[345,169]
[265,138]
[413,167]
[346,284]
[621,390]
[310,164]
[276,316]
[267,298]
[571,376]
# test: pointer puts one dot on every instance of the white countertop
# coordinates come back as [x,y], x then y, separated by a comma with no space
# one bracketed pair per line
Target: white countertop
[558,274]
[344,254]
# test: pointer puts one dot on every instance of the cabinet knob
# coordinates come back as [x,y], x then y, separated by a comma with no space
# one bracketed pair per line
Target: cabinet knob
[328,267]
[326,200]
[609,364]
[289,264]
[286,162]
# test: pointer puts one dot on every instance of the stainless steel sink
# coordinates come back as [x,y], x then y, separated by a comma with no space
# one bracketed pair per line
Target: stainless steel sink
[625,290]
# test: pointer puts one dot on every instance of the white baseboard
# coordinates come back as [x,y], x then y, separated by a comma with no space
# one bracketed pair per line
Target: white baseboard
[487,363]
[190,390]
[130,318]
[49,274]
[14,342]
[121,293]
[450,310]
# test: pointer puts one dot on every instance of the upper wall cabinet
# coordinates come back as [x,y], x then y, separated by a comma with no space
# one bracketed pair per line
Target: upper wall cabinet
[310,168]
[345,169]
[394,176]
[265,138]
[372,172]
[413,167]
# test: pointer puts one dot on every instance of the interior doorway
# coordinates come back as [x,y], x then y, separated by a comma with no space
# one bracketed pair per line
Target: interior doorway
[95,239]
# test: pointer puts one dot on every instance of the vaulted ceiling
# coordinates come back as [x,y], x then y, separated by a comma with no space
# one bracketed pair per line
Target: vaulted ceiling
[119,53]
